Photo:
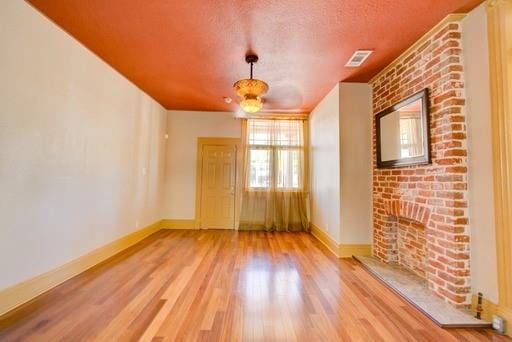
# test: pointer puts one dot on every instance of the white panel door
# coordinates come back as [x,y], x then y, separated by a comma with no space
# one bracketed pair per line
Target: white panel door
[218,176]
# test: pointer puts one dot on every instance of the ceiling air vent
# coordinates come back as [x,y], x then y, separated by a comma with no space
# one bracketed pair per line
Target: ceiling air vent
[358,58]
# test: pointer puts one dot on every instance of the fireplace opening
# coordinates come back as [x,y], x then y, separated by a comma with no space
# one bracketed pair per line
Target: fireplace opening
[433,247]
[412,246]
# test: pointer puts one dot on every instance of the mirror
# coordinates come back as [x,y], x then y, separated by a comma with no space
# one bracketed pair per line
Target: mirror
[403,133]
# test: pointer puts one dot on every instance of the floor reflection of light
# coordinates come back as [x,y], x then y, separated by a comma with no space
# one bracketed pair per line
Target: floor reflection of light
[256,286]
[263,285]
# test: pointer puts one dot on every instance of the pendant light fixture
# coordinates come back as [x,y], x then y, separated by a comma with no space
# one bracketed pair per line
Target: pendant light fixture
[251,90]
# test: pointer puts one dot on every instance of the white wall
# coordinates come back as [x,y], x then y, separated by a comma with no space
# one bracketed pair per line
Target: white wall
[75,137]
[325,164]
[356,163]
[184,127]
[478,111]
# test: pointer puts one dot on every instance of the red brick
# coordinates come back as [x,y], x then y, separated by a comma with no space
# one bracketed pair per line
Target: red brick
[432,195]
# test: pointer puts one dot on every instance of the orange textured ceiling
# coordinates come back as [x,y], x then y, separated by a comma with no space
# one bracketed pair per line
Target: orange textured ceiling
[188,53]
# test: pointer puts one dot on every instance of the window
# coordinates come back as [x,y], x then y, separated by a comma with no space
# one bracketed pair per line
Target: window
[275,153]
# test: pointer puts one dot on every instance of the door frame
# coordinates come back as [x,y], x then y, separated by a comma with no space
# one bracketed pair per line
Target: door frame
[499,21]
[237,143]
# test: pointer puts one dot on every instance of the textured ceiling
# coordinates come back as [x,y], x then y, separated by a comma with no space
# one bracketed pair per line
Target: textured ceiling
[188,53]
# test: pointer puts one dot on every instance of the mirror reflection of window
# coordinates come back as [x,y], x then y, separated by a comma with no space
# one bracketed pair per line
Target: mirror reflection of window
[401,133]
[411,139]
[390,136]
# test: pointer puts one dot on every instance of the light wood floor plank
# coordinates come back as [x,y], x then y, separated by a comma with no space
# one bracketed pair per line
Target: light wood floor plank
[225,286]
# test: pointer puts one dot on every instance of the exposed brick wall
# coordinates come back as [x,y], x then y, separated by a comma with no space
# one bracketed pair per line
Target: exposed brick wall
[436,194]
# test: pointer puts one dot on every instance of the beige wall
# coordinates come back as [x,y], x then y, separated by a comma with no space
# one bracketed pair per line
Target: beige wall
[481,200]
[184,127]
[356,163]
[341,163]
[325,164]
[81,148]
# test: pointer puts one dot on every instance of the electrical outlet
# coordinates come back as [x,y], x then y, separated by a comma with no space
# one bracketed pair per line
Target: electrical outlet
[498,323]
[136,223]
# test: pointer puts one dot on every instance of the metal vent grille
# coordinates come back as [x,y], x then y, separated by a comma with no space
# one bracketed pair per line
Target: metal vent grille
[358,58]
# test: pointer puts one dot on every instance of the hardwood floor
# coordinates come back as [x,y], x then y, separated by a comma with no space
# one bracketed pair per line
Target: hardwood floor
[225,286]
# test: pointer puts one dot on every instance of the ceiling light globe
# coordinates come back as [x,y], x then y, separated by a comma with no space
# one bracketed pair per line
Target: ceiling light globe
[251,105]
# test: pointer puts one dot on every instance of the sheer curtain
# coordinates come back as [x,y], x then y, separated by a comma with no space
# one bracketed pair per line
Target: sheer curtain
[275,184]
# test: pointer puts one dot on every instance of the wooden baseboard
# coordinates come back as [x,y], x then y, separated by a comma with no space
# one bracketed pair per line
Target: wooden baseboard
[506,313]
[178,224]
[324,238]
[340,250]
[348,250]
[13,296]
[490,308]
